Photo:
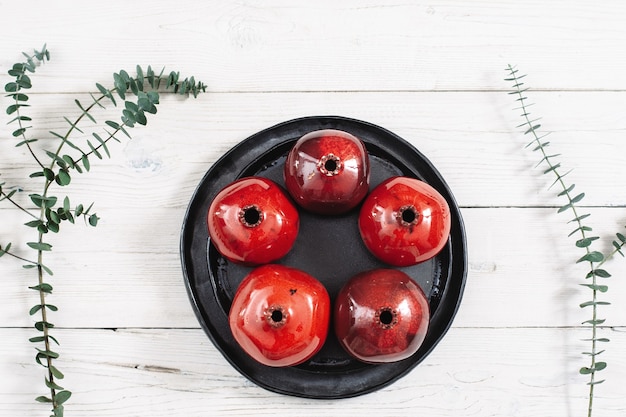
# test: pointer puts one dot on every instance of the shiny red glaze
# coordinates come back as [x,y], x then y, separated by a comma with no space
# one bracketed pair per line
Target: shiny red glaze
[381,316]
[328,171]
[280,315]
[404,221]
[252,221]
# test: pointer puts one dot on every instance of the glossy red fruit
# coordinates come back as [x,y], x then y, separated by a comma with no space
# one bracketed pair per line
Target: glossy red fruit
[252,221]
[280,315]
[381,316]
[328,171]
[404,221]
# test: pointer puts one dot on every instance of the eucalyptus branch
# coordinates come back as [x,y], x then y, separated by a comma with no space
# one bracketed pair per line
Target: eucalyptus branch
[52,213]
[595,259]
[22,82]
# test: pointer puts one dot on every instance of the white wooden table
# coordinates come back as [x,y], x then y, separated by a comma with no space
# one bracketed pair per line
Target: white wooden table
[432,72]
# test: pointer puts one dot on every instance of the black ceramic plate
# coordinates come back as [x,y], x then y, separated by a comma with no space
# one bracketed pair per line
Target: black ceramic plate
[327,247]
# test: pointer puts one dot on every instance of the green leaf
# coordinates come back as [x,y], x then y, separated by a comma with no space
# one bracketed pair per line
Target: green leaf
[564,208]
[145,104]
[134,87]
[585,370]
[120,85]
[40,246]
[596,322]
[12,109]
[150,76]
[596,287]
[85,112]
[19,132]
[139,77]
[89,208]
[43,399]
[94,150]
[11,87]
[40,325]
[49,201]
[63,178]
[596,382]
[20,119]
[585,242]
[55,372]
[113,124]
[153,96]
[56,158]
[85,161]
[580,229]
[48,353]
[578,198]
[594,256]
[73,125]
[125,75]
[97,101]
[141,118]
[19,97]
[24,142]
[63,396]
[130,106]
[124,132]
[598,273]
[552,168]
[93,220]
[49,174]
[106,93]
[593,354]
[53,385]
[5,250]
[52,216]
[128,117]
[103,144]
[37,339]
[43,287]
[24,81]
[33,223]
[53,227]
[594,303]
[54,340]
[46,269]
[35,309]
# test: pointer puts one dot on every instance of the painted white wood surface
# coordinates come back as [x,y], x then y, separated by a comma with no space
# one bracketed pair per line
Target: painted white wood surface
[431,72]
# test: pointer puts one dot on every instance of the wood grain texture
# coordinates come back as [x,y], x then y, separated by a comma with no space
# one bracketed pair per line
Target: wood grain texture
[329,46]
[161,372]
[431,72]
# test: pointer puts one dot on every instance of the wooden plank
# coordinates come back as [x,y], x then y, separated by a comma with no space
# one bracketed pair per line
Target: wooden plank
[470,138]
[329,46]
[126,272]
[167,372]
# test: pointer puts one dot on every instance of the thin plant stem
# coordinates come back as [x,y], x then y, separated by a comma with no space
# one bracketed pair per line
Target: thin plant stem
[8,198]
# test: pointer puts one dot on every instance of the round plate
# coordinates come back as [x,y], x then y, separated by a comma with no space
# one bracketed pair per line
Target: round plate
[327,247]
